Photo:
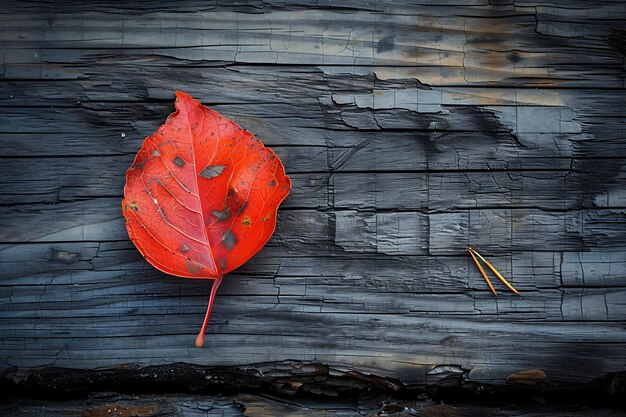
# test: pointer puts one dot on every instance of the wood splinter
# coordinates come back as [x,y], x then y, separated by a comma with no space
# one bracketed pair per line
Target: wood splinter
[472,252]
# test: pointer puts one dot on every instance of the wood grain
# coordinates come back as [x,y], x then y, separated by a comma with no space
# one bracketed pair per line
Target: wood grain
[410,131]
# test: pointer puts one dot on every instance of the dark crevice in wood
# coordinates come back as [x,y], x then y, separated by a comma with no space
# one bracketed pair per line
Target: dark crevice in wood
[294,379]
[617,41]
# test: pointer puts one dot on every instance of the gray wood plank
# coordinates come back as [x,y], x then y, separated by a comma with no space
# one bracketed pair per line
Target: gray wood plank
[410,131]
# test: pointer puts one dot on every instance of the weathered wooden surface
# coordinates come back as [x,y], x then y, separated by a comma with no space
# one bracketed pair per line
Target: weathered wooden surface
[255,406]
[292,388]
[410,131]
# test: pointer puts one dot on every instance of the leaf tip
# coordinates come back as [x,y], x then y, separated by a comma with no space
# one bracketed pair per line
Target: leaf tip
[182,99]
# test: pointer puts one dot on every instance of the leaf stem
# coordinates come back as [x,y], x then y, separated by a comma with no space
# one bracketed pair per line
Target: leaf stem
[200,338]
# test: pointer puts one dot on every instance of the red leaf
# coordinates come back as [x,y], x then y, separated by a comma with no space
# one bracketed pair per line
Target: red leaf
[202,195]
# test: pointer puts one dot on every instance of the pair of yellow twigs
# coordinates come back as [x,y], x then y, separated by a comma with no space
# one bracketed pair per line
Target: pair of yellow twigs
[473,253]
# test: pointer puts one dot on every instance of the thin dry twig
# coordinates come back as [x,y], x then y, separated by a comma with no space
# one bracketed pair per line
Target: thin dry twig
[482,271]
[493,269]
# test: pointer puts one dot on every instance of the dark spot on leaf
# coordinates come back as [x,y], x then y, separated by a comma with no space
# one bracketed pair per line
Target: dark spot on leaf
[266,218]
[182,184]
[229,239]
[133,206]
[222,262]
[184,248]
[222,215]
[272,183]
[139,165]
[193,268]
[231,193]
[242,207]
[161,213]
[178,161]
[212,171]
[246,221]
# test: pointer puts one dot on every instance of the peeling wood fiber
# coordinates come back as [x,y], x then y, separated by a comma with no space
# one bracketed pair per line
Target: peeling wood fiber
[409,131]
